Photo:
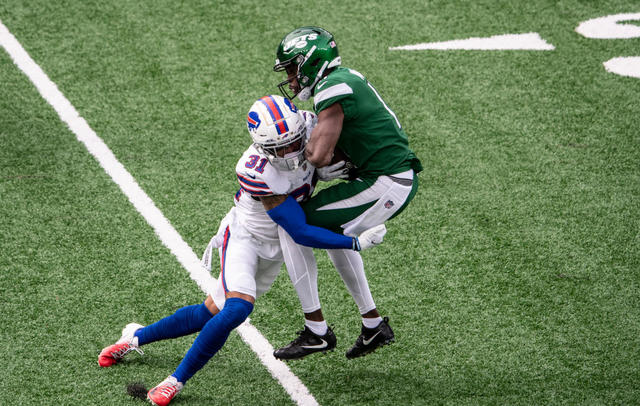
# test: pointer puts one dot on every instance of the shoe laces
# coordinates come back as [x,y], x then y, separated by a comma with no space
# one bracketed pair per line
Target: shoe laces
[303,335]
[168,390]
[124,350]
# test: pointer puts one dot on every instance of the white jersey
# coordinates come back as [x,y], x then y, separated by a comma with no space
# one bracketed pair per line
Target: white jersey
[258,178]
[252,247]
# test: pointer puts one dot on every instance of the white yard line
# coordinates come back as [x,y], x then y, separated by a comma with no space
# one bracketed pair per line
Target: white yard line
[529,41]
[145,206]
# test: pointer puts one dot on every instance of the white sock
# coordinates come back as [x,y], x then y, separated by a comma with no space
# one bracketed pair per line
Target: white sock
[317,327]
[372,322]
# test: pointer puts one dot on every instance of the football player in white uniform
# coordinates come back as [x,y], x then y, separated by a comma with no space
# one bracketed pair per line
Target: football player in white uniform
[253,244]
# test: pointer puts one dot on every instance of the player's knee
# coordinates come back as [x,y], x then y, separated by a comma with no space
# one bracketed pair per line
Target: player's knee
[211,305]
[235,311]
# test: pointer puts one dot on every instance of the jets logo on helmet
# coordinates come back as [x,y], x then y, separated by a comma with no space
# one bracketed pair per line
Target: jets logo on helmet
[280,133]
[300,42]
[312,50]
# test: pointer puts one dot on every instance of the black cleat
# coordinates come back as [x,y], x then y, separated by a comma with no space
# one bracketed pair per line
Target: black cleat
[372,338]
[306,343]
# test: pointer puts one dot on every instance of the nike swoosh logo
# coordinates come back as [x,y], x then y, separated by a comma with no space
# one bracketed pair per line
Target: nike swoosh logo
[252,176]
[324,344]
[367,342]
[321,85]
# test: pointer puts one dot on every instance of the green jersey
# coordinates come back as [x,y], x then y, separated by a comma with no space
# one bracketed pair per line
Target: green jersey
[371,133]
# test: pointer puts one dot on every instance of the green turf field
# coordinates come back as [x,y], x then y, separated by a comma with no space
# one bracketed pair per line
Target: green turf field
[513,277]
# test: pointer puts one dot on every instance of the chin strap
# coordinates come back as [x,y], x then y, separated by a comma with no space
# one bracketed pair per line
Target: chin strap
[304,94]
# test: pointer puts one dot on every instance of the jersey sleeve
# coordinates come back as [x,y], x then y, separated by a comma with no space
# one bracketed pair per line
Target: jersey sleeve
[331,93]
[250,172]
[290,216]
[253,185]
[338,87]
[258,177]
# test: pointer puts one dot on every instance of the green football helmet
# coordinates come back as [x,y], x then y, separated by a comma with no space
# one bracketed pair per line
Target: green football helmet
[313,50]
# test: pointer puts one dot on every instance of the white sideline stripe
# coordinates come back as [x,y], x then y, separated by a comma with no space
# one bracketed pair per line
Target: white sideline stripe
[165,231]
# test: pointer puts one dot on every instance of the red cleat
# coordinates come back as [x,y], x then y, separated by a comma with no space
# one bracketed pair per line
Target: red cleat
[162,394]
[127,343]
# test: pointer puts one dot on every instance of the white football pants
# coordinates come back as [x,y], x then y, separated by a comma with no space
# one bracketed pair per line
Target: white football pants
[303,272]
[247,265]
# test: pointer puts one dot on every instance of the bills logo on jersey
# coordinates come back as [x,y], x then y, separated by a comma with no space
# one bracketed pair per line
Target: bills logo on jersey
[253,121]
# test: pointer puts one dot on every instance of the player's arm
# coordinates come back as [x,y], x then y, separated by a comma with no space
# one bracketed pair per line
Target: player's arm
[287,213]
[324,136]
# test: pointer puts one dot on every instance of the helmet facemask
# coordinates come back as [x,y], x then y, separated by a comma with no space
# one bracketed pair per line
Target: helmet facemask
[285,66]
[282,160]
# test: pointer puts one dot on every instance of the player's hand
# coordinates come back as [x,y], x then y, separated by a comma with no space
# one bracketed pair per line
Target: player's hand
[334,171]
[370,238]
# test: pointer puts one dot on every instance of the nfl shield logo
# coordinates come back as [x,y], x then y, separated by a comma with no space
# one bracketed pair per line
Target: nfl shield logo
[388,204]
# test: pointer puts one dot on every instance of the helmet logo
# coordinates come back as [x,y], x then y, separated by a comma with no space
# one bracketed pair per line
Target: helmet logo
[253,121]
[299,42]
[291,106]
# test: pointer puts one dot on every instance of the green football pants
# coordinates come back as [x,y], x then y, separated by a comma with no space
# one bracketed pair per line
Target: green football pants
[355,206]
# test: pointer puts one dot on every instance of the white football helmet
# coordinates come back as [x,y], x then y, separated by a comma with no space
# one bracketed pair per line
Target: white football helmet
[275,123]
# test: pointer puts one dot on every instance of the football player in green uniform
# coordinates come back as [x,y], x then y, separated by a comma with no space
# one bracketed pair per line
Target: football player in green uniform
[354,123]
